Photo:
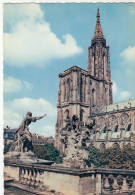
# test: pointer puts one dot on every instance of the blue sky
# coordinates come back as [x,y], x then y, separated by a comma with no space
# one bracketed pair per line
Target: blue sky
[42,40]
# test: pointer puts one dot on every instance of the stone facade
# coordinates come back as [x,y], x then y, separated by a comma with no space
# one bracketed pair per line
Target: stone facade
[114,125]
[9,135]
[85,97]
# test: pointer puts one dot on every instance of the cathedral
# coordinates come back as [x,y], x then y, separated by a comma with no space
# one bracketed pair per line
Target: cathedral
[85,100]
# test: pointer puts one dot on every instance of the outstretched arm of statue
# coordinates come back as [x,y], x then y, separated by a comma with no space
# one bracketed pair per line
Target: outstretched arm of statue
[38,118]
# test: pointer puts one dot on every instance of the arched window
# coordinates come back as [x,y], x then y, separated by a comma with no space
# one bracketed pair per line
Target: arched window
[74,118]
[65,91]
[129,127]
[93,97]
[100,74]
[116,128]
[104,131]
[66,114]
[116,145]
[81,115]
[90,82]
[102,147]
[68,89]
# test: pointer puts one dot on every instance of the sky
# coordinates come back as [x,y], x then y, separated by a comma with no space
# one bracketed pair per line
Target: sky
[42,40]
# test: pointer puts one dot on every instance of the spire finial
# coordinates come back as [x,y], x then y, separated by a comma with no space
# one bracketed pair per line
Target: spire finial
[98,15]
[98,10]
[98,29]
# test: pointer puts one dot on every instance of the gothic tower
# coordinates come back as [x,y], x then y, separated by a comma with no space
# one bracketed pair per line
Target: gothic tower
[81,91]
[99,66]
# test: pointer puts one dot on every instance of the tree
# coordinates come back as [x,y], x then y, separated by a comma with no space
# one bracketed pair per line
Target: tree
[116,158]
[41,152]
[48,152]
[94,154]
[6,147]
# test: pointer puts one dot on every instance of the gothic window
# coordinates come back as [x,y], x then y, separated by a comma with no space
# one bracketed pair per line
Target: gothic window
[64,90]
[129,127]
[90,82]
[66,114]
[81,86]
[82,115]
[82,90]
[104,131]
[74,118]
[102,147]
[100,74]
[115,145]
[101,121]
[124,118]
[68,89]
[112,120]
[93,97]
[116,128]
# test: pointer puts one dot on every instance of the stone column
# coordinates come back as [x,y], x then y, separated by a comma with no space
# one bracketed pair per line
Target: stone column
[125,186]
[133,185]
[108,134]
[97,135]
[98,185]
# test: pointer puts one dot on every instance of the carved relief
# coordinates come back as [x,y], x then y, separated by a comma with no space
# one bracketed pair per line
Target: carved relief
[124,118]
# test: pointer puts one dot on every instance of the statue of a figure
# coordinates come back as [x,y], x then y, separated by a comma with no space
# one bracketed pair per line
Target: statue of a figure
[23,138]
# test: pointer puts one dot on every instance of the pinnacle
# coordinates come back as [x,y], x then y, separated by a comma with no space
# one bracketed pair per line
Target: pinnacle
[98,29]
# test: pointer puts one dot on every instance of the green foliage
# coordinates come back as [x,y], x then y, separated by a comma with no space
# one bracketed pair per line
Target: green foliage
[48,152]
[40,151]
[6,147]
[94,154]
[117,158]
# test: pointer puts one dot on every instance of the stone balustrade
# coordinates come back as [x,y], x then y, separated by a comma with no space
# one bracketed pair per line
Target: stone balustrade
[31,177]
[92,181]
[120,184]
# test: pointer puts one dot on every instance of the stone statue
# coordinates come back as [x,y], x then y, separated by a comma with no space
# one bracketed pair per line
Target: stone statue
[23,138]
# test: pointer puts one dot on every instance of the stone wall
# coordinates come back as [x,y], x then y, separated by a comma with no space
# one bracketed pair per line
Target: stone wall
[73,181]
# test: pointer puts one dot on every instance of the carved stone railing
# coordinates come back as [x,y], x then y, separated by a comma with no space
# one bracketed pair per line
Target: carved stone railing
[31,177]
[117,181]
[93,181]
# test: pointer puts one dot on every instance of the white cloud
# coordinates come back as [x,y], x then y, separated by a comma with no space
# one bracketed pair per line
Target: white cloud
[120,95]
[129,55]
[13,85]
[29,40]
[15,110]
[132,9]
[114,88]
[48,129]
[124,95]
[128,65]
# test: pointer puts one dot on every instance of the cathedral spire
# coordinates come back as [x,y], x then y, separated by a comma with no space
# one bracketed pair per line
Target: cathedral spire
[98,34]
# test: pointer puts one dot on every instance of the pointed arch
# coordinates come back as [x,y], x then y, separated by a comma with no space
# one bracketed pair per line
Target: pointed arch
[66,114]
[82,112]
[102,147]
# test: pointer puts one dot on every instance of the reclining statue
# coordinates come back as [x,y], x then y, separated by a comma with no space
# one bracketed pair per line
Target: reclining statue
[23,138]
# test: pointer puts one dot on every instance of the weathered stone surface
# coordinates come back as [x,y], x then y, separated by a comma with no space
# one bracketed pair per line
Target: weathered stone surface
[85,101]
[75,144]
[23,138]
